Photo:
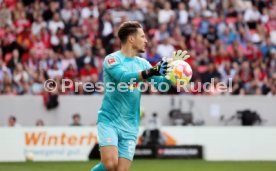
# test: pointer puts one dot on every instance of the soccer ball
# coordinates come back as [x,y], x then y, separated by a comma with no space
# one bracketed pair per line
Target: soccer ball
[180,73]
[29,156]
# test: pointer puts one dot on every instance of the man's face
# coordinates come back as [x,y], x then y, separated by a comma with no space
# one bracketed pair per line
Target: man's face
[87,66]
[139,41]
[11,122]
[76,120]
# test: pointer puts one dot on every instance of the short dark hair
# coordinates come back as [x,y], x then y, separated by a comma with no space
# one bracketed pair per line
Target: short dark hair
[76,115]
[13,118]
[127,28]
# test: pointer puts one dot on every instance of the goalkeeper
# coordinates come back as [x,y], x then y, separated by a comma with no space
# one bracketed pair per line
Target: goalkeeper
[119,115]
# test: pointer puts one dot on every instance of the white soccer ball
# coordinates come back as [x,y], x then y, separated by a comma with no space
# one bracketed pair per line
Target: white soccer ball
[29,156]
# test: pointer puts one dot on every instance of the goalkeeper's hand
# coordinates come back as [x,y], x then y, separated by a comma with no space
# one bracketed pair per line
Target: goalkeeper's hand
[160,69]
[165,65]
[180,55]
[177,55]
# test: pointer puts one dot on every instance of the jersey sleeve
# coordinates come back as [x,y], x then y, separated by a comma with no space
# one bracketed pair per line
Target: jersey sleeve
[113,66]
[157,79]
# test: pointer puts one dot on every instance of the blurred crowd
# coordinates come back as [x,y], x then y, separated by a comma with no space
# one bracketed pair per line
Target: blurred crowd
[13,121]
[55,39]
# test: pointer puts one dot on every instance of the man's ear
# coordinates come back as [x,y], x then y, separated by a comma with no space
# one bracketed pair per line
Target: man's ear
[131,38]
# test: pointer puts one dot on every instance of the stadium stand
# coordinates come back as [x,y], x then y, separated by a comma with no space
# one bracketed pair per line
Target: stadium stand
[45,39]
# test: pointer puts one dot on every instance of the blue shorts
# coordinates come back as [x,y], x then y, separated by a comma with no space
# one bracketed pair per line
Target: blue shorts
[111,136]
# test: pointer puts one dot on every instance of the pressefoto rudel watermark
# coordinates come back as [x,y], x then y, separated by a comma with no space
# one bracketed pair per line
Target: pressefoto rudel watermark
[51,85]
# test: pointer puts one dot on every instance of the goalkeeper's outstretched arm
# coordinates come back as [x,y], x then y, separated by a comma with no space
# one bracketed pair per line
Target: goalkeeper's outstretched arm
[114,67]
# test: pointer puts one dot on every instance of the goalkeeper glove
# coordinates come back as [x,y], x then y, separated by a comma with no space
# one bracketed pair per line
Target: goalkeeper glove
[177,55]
[159,69]
[180,55]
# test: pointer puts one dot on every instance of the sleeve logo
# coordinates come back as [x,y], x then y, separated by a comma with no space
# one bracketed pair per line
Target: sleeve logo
[111,61]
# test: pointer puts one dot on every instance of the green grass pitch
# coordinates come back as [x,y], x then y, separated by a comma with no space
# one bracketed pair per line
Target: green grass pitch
[146,165]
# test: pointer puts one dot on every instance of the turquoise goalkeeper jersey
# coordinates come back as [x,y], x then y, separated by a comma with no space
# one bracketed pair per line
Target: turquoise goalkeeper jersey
[121,106]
